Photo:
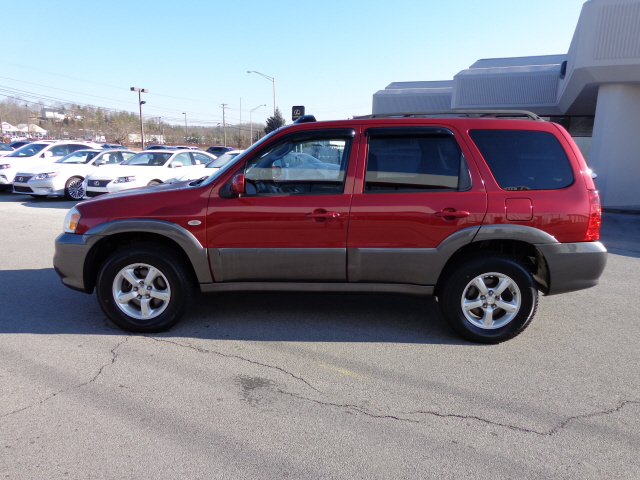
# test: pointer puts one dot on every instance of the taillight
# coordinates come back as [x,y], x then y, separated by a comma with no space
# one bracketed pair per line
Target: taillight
[595,217]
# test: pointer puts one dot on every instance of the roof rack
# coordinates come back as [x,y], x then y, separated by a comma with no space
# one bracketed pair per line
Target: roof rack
[522,114]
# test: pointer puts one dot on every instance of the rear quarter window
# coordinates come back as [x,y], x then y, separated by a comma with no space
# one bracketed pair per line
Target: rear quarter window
[524,159]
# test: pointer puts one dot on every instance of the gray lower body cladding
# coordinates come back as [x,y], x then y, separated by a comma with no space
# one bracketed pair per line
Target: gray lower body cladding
[573,266]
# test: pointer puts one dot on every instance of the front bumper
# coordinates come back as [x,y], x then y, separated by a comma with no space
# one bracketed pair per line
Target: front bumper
[573,266]
[43,187]
[70,256]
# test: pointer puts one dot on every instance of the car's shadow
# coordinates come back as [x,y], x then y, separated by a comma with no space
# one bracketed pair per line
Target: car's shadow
[43,202]
[35,302]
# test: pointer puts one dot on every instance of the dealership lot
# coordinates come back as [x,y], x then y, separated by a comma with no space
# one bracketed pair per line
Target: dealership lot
[311,386]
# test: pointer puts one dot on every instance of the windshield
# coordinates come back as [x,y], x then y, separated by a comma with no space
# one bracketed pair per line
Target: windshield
[4,146]
[81,156]
[28,150]
[222,160]
[149,159]
[235,161]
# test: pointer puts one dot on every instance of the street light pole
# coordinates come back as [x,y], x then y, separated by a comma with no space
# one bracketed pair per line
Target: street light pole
[140,102]
[185,127]
[251,120]
[274,87]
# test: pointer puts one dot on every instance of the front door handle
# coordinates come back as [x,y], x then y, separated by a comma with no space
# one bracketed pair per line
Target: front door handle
[451,213]
[324,215]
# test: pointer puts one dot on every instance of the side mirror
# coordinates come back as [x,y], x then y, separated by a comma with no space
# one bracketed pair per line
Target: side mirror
[47,154]
[100,161]
[237,184]
[175,165]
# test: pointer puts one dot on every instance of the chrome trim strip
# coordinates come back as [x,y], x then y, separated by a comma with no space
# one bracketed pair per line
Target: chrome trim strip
[337,287]
[278,264]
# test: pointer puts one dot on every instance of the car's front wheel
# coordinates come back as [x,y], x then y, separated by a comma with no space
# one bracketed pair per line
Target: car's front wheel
[73,189]
[144,288]
[489,298]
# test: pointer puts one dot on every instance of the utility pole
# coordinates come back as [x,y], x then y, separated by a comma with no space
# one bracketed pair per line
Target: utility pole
[240,126]
[185,127]
[140,91]
[224,124]
[26,109]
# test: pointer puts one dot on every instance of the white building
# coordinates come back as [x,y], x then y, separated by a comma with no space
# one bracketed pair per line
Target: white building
[593,91]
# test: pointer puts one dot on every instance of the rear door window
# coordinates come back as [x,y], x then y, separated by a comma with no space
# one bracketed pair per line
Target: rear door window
[524,159]
[414,162]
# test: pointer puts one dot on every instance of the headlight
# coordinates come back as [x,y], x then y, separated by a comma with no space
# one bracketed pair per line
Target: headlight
[71,220]
[42,176]
[131,178]
[5,166]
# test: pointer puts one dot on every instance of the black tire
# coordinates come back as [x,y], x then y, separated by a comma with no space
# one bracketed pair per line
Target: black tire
[73,189]
[4,188]
[153,182]
[488,323]
[173,279]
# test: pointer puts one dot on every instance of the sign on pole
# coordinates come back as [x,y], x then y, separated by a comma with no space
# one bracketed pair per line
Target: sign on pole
[297,112]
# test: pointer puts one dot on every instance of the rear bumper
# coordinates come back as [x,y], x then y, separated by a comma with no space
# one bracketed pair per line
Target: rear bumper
[71,252]
[573,266]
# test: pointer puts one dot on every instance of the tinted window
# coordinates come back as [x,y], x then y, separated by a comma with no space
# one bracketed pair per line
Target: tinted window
[203,159]
[150,159]
[82,156]
[524,159]
[306,167]
[112,158]
[59,150]
[28,150]
[73,148]
[415,162]
[183,159]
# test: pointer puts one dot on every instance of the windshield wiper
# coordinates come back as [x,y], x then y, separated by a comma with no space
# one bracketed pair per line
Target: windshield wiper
[198,181]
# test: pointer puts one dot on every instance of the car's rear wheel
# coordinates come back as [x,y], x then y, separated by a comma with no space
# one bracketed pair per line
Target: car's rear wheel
[73,189]
[144,288]
[488,298]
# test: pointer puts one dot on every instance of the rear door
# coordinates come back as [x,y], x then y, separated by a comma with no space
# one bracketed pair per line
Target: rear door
[416,188]
[291,225]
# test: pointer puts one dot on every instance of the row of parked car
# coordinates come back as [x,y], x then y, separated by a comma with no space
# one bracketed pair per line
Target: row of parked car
[77,169]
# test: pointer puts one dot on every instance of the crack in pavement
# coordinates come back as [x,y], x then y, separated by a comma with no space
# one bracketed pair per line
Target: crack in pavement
[238,357]
[114,357]
[552,431]
[363,411]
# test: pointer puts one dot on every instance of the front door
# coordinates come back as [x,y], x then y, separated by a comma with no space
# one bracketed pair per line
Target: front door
[415,192]
[291,225]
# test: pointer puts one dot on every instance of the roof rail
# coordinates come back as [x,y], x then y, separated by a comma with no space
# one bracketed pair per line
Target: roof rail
[460,113]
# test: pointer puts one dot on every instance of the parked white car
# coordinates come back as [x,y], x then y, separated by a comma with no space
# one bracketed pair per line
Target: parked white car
[64,177]
[149,167]
[5,149]
[211,167]
[37,153]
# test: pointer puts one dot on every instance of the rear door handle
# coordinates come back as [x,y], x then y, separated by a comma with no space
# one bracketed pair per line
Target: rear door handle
[452,213]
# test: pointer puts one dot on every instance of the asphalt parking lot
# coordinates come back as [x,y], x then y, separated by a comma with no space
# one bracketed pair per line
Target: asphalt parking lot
[267,386]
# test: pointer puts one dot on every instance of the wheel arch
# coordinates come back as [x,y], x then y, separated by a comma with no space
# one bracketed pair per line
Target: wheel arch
[518,241]
[119,233]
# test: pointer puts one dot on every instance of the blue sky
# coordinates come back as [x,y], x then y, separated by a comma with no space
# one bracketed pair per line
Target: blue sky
[330,56]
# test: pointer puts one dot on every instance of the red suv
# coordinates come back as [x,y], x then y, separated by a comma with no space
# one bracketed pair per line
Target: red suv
[481,212]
